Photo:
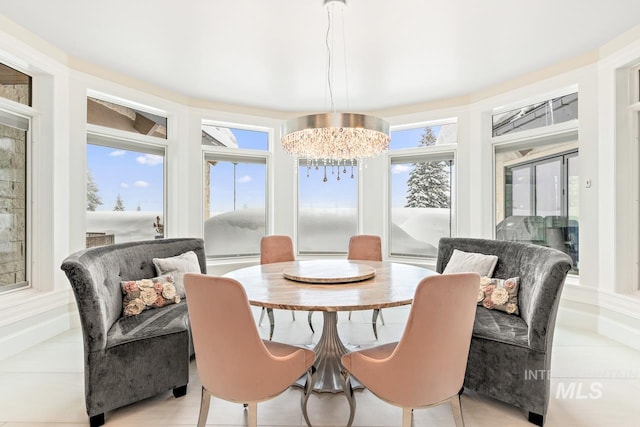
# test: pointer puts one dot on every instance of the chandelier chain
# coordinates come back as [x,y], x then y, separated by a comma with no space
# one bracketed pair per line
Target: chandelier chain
[329,62]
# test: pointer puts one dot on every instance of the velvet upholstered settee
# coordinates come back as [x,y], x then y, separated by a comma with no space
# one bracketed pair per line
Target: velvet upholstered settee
[127,359]
[510,355]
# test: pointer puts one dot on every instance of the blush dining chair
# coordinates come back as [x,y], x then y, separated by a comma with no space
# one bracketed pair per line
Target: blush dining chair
[275,248]
[427,366]
[366,247]
[234,363]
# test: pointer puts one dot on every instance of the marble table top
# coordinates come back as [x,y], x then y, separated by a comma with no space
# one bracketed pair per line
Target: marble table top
[392,285]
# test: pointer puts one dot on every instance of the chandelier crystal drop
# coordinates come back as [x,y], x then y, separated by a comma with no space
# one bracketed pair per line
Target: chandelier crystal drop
[334,139]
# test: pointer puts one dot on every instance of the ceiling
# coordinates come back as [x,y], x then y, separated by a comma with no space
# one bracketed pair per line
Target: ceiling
[271,54]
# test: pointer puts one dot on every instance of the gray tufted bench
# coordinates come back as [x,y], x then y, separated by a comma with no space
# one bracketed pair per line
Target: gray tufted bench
[128,359]
[510,355]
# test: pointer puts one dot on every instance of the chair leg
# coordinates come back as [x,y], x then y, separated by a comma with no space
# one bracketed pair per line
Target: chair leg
[349,315]
[308,387]
[253,414]
[348,392]
[374,322]
[180,391]
[96,420]
[204,407]
[457,411]
[381,316]
[310,324]
[261,316]
[536,419]
[293,315]
[407,415]
[272,322]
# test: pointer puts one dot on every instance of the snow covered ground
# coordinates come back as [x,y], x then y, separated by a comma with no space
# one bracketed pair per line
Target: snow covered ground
[414,231]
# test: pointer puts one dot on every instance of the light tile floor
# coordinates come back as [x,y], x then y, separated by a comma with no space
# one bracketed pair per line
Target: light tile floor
[594,382]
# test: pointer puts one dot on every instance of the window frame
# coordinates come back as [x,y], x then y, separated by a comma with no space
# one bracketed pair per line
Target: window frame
[23,114]
[536,137]
[122,140]
[421,154]
[228,154]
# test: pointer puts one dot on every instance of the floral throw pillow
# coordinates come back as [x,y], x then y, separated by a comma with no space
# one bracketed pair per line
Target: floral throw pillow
[141,295]
[499,294]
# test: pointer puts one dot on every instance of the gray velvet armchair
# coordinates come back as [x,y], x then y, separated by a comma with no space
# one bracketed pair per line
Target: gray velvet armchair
[510,355]
[128,359]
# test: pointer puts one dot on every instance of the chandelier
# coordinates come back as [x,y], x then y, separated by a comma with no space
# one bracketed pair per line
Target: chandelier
[334,139]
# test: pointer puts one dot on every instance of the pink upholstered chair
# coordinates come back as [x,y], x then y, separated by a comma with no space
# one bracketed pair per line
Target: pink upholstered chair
[275,249]
[368,248]
[234,364]
[427,366]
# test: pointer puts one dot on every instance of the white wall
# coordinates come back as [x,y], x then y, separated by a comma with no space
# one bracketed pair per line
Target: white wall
[596,299]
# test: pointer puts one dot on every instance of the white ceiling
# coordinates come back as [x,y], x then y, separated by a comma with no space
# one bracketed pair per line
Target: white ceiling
[270,53]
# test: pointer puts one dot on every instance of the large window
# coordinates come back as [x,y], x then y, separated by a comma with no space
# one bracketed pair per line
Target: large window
[125,191]
[327,207]
[422,182]
[15,86]
[540,114]
[13,202]
[537,196]
[235,190]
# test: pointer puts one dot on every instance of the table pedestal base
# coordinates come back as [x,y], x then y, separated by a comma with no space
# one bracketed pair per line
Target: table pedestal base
[329,350]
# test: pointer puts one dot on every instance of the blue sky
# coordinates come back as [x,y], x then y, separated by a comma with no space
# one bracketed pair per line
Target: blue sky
[138,178]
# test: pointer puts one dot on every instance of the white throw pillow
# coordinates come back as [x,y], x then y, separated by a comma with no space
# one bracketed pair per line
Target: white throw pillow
[471,262]
[178,265]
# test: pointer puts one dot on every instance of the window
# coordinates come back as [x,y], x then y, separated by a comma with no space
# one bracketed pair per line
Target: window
[125,191]
[537,196]
[15,85]
[14,195]
[235,190]
[546,113]
[116,116]
[327,210]
[422,183]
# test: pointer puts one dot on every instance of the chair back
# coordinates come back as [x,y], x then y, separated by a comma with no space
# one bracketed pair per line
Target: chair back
[232,359]
[428,364]
[276,249]
[365,247]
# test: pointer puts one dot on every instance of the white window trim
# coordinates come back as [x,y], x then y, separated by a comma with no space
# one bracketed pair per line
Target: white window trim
[436,152]
[240,154]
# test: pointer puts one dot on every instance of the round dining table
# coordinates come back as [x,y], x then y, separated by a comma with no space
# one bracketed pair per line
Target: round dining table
[330,286]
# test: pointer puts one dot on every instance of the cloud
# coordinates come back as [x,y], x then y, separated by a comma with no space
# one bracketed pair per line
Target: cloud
[244,179]
[400,169]
[117,153]
[124,185]
[141,184]
[150,159]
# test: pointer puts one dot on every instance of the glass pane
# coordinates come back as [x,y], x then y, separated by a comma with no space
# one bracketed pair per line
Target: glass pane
[327,211]
[572,233]
[520,201]
[421,206]
[235,200]
[13,215]
[115,116]
[547,113]
[424,136]
[125,195]
[550,218]
[15,85]
[549,188]
[220,136]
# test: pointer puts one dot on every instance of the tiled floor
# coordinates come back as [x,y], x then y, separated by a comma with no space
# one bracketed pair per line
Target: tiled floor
[595,382]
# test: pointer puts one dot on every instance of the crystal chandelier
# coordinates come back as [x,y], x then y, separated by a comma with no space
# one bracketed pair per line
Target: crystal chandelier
[334,139]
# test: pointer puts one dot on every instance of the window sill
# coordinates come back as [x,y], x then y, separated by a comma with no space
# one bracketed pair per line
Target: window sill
[25,303]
